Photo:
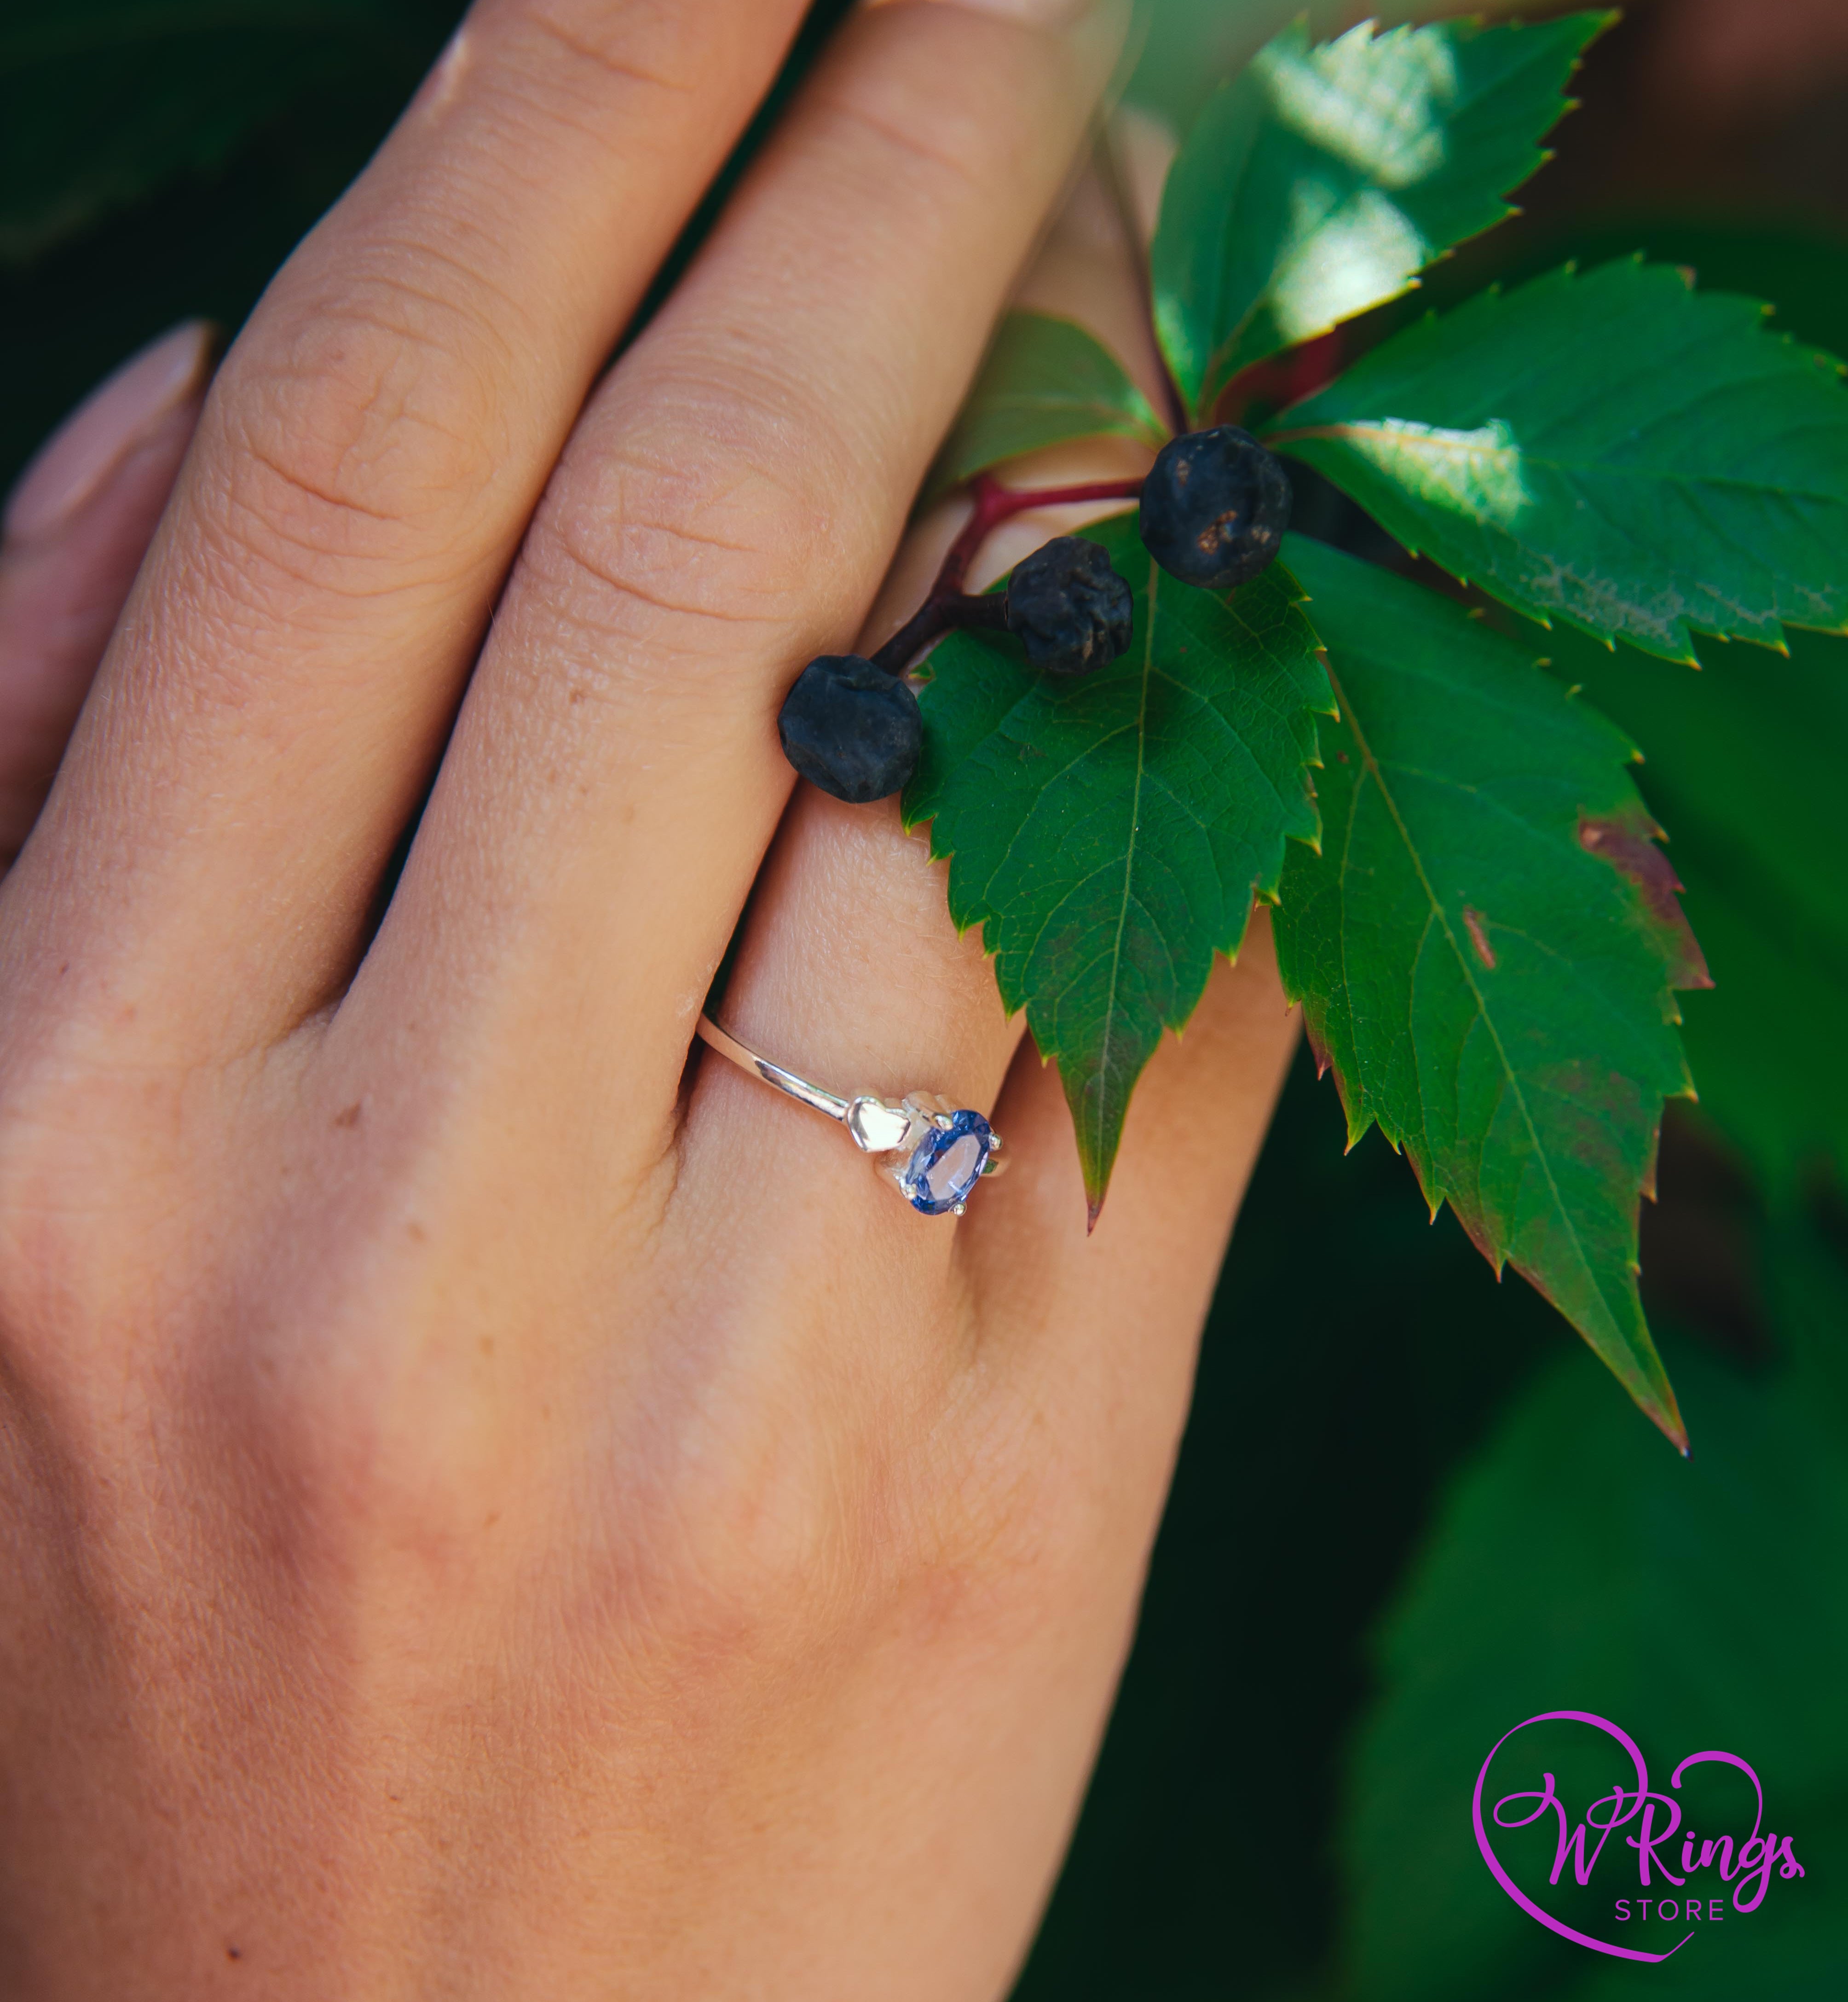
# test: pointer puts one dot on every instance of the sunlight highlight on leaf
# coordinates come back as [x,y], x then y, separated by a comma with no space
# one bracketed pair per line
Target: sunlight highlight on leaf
[1384,119]
[1611,447]
[1480,472]
[1320,182]
[1354,254]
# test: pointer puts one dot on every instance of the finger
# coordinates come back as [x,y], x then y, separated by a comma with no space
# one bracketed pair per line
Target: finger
[367,463]
[77,527]
[725,511]
[850,949]
[849,961]
[852,974]
[1104,1329]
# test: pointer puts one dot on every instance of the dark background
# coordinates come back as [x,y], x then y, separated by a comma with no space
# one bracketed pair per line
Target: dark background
[1410,1509]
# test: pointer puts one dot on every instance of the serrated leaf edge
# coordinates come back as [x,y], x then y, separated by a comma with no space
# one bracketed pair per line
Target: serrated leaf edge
[1650,1389]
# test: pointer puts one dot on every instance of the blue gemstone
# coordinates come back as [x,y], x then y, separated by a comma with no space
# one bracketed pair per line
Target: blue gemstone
[946,1163]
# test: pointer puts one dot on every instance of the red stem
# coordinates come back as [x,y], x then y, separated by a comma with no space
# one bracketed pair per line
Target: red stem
[949,605]
[995,503]
[939,614]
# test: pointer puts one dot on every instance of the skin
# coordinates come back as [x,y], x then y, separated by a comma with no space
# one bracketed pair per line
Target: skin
[496,1504]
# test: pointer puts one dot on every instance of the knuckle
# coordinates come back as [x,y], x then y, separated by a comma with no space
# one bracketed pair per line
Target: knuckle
[359,443]
[368,1475]
[728,1538]
[373,1402]
[792,1536]
[610,79]
[655,46]
[695,536]
[1023,1518]
[983,123]
[929,158]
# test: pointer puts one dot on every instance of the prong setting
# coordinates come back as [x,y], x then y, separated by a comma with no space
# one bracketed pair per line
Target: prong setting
[936,1151]
[951,1154]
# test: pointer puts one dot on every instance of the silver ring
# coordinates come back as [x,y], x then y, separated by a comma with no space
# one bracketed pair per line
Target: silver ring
[939,1151]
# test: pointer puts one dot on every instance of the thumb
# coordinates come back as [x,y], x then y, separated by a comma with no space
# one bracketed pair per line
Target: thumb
[76,528]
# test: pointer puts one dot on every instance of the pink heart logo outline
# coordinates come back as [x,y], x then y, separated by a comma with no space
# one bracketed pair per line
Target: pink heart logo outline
[1629,1745]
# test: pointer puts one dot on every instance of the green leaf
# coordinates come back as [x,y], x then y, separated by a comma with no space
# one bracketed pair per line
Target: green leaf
[103,101]
[1614,449]
[1046,382]
[1322,180]
[1744,762]
[1108,834]
[1484,948]
[1694,1603]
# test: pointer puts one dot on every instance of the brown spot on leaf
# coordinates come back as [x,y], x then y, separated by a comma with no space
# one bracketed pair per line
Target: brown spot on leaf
[1479,937]
[1627,841]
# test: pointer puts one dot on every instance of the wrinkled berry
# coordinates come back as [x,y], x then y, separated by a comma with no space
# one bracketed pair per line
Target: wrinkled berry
[1215,508]
[851,728]
[1069,608]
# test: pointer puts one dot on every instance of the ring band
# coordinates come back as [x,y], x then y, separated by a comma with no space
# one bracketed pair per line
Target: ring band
[941,1151]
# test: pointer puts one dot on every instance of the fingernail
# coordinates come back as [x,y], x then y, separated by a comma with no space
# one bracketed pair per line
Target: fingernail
[80,456]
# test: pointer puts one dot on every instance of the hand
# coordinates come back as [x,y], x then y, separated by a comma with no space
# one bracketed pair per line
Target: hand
[494,1507]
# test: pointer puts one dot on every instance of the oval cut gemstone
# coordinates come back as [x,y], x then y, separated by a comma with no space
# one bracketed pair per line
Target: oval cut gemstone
[946,1163]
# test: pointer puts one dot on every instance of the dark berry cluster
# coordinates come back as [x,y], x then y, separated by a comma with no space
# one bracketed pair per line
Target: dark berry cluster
[1214,509]
[851,725]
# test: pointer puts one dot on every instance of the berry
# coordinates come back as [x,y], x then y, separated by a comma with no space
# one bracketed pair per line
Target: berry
[1215,508]
[1069,608]
[851,728]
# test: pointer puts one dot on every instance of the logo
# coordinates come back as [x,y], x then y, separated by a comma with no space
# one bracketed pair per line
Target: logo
[1664,1875]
